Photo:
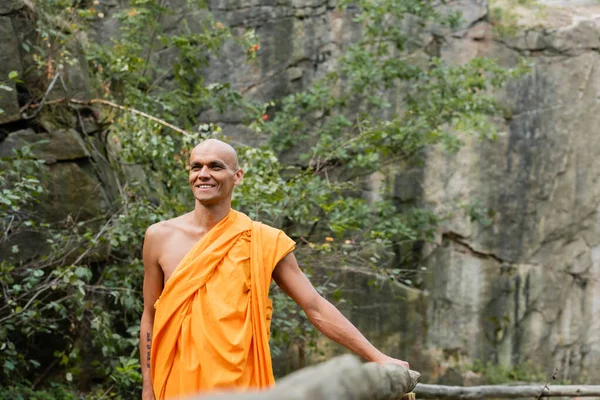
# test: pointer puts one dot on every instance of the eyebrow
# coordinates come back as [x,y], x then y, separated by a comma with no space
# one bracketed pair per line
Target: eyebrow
[210,164]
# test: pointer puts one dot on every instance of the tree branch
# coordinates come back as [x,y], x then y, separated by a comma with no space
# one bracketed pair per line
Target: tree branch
[106,103]
[504,391]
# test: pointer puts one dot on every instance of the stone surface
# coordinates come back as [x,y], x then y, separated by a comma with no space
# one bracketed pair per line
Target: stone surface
[390,314]
[524,287]
[9,6]
[545,16]
[471,12]
[299,41]
[77,190]
[10,60]
[62,145]
[75,193]
[76,76]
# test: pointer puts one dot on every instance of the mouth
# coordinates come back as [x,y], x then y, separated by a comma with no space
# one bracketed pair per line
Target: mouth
[204,186]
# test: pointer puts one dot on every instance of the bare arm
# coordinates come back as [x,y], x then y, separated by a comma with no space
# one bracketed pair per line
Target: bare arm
[321,313]
[153,285]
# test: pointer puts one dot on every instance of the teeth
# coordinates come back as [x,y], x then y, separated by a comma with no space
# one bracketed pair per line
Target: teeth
[205,186]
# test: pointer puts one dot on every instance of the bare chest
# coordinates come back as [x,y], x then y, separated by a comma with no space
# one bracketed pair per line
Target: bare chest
[173,249]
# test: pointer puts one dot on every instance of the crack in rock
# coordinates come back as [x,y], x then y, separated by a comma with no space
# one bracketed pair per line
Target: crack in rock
[461,240]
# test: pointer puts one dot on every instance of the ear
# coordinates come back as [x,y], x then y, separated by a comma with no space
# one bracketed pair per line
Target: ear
[239,176]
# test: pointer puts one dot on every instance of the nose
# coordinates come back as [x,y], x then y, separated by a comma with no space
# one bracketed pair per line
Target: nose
[204,173]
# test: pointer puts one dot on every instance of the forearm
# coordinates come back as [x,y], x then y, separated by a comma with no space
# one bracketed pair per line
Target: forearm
[332,323]
[146,326]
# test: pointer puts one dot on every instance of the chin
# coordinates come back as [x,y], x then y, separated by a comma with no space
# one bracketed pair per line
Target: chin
[203,199]
[207,201]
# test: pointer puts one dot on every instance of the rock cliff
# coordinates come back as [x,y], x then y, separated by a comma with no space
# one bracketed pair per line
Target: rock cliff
[80,183]
[525,285]
[522,287]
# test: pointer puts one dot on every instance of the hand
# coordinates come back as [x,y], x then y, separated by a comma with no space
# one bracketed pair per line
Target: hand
[148,393]
[389,360]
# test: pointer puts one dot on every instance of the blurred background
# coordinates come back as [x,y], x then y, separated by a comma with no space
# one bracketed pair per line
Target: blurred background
[436,163]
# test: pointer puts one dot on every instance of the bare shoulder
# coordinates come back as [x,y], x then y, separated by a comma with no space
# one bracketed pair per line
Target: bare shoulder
[161,229]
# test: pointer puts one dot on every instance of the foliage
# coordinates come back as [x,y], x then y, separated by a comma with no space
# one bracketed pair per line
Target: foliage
[12,75]
[59,295]
[84,291]
[495,374]
[59,24]
[23,391]
[19,190]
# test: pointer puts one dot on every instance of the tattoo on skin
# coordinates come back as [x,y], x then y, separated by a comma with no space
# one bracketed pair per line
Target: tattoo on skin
[148,347]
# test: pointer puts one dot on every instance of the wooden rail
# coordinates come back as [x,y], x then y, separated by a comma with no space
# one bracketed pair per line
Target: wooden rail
[347,378]
[423,391]
[341,378]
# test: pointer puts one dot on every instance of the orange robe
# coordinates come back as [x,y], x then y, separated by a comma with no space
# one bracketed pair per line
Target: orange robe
[212,321]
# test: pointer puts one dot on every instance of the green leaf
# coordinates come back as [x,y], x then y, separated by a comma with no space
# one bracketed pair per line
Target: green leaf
[9,365]
[83,272]
[13,74]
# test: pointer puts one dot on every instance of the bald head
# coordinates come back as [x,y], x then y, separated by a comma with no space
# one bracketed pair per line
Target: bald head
[213,173]
[220,149]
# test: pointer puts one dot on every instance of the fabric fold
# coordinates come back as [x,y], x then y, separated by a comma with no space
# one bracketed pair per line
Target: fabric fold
[212,320]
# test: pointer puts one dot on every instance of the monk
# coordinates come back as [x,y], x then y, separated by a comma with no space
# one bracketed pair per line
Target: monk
[206,320]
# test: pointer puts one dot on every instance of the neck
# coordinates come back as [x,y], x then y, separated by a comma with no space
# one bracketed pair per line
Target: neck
[207,216]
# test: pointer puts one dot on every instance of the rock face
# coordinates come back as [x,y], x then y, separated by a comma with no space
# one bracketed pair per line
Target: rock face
[17,36]
[391,315]
[79,182]
[523,287]
[9,61]
[526,286]
[62,145]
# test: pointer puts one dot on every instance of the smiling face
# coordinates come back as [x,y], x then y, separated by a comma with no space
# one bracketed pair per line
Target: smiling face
[214,172]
